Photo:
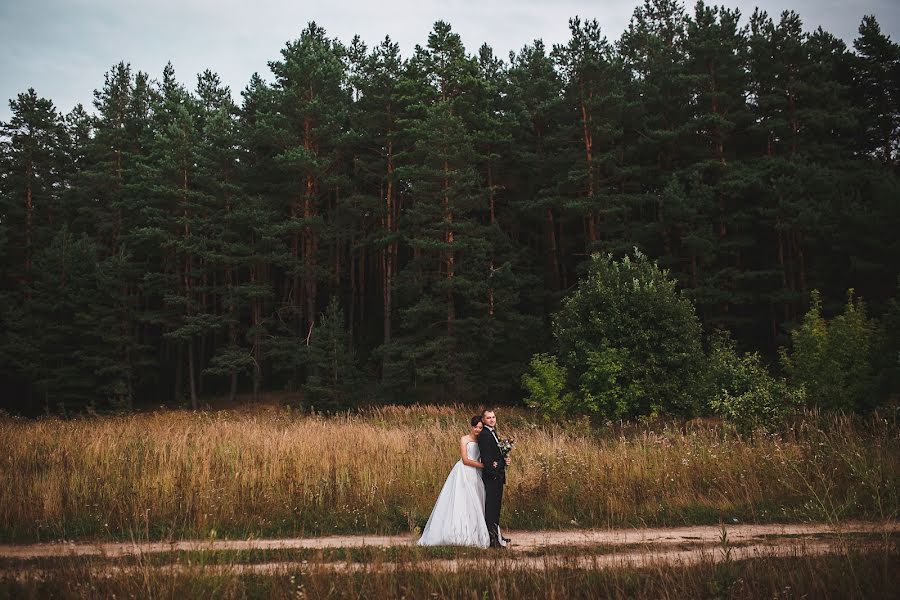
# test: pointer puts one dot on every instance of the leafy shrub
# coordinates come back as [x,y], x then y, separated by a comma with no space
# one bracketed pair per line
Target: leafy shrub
[887,355]
[546,384]
[632,308]
[834,361]
[629,343]
[605,387]
[602,388]
[743,390]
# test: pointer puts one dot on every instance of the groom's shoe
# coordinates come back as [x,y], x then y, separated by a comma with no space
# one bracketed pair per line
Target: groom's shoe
[506,539]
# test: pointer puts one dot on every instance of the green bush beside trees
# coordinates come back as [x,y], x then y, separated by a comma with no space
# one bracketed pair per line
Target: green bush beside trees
[834,362]
[629,344]
[743,390]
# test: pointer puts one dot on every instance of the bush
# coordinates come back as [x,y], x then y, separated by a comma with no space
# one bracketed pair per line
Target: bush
[887,356]
[834,361]
[604,386]
[744,392]
[629,344]
[546,385]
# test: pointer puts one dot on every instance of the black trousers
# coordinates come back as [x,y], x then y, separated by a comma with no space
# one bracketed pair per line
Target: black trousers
[493,498]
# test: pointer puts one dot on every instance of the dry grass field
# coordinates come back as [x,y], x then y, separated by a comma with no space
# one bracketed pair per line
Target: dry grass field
[276,472]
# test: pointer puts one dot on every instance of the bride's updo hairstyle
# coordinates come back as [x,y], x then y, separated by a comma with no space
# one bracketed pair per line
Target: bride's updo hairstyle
[475,420]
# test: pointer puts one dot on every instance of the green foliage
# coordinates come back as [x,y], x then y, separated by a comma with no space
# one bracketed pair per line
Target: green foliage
[602,388]
[448,200]
[633,308]
[834,361]
[230,359]
[335,379]
[58,336]
[631,342]
[546,384]
[888,354]
[606,387]
[744,392]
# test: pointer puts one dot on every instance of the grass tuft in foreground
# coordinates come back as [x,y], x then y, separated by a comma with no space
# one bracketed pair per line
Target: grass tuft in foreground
[849,576]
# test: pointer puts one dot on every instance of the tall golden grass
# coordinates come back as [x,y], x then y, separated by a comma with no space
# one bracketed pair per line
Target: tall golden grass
[177,474]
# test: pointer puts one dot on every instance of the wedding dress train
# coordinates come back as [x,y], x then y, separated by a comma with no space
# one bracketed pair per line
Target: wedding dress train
[458,515]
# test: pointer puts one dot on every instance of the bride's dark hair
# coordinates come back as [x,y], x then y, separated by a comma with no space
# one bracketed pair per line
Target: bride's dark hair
[475,420]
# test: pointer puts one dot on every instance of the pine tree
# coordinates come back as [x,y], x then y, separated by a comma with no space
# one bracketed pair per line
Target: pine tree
[541,152]
[334,378]
[708,200]
[34,172]
[593,77]
[877,87]
[114,180]
[49,340]
[377,112]
[312,101]
[186,316]
[224,251]
[256,221]
[800,102]
[445,283]
[33,180]
[657,112]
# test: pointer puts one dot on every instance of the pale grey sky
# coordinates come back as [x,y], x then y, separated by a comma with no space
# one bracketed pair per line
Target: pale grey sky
[62,48]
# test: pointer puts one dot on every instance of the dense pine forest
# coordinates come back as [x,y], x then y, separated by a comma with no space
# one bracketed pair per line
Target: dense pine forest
[401,229]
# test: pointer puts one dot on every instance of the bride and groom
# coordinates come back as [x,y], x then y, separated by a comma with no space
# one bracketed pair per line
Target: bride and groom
[467,511]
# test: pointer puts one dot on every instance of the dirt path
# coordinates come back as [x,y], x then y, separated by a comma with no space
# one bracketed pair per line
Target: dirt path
[655,541]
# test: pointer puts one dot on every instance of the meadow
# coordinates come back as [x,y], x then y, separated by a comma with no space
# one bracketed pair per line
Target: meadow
[279,472]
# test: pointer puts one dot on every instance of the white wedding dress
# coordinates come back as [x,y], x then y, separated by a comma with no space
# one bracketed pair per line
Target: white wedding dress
[458,515]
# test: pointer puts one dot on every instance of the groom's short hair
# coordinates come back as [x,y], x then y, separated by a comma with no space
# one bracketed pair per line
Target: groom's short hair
[487,410]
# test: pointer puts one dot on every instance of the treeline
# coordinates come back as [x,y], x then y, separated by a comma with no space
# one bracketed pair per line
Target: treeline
[372,226]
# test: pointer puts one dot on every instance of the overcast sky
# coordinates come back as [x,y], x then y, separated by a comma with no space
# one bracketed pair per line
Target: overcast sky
[62,48]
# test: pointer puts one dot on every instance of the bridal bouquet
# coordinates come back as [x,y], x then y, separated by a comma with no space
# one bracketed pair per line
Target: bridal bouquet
[506,446]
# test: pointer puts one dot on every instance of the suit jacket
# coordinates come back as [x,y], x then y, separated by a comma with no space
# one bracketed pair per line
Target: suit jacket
[490,452]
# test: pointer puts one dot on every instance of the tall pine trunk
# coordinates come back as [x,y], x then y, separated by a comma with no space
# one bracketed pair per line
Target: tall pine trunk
[309,254]
[296,293]
[191,376]
[552,251]
[255,320]
[493,213]
[29,217]
[179,370]
[449,258]
[586,122]
[388,255]
[309,238]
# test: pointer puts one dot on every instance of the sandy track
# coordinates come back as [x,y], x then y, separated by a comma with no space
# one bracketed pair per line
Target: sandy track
[748,536]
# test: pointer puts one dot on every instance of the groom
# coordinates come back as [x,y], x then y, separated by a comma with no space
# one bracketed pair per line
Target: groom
[494,476]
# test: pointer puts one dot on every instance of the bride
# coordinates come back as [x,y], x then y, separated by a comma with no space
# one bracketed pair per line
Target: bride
[458,515]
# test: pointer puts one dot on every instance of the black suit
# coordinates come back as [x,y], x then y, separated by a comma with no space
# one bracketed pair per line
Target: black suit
[494,479]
